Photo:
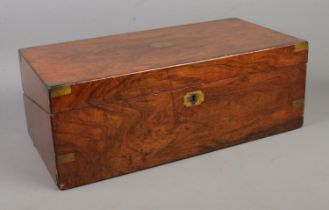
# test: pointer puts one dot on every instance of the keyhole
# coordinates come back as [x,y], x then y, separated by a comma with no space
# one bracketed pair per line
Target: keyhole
[193,98]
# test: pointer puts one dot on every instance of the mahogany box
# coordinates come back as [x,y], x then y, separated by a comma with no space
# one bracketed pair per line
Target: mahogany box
[107,106]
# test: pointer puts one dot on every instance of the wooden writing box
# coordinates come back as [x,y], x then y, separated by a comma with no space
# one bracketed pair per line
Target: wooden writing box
[108,106]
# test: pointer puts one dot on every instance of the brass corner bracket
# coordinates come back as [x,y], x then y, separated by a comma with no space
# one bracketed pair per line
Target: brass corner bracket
[298,103]
[65,158]
[60,91]
[301,46]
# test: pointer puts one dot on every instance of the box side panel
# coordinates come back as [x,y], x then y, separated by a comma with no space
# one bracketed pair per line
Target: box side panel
[169,79]
[39,128]
[111,139]
[33,87]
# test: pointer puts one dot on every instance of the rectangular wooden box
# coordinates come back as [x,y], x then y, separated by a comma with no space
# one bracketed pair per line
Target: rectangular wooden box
[107,106]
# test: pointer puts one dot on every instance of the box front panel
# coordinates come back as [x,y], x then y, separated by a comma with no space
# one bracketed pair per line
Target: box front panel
[111,139]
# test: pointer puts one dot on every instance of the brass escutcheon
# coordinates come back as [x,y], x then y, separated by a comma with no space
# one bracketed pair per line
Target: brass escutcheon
[194,98]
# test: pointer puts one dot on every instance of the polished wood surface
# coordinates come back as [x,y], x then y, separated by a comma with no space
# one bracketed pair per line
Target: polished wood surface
[33,86]
[119,137]
[173,78]
[40,129]
[117,55]
[126,105]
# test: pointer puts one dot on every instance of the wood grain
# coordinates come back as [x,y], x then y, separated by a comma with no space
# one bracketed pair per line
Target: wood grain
[117,55]
[119,137]
[169,79]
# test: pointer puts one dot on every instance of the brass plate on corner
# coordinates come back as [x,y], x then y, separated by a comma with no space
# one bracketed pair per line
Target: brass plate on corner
[301,46]
[60,91]
[194,98]
[298,103]
[66,158]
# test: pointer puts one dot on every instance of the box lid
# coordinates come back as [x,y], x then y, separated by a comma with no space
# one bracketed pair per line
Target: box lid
[140,61]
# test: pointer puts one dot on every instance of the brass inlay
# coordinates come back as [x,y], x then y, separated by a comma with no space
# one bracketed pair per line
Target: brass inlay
[60,91]
[194,98]
[66,158]
[298,103]
[163,44]
[301,46]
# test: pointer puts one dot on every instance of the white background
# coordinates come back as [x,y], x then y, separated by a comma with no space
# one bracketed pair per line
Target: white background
[287,171]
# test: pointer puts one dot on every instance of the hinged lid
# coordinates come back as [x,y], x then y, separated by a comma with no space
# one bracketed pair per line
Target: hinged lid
[75,74]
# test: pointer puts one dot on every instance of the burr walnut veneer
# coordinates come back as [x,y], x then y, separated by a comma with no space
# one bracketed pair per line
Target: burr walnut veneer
[107,106]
